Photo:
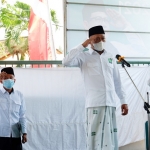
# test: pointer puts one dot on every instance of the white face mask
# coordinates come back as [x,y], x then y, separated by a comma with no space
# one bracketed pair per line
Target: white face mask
[99,46]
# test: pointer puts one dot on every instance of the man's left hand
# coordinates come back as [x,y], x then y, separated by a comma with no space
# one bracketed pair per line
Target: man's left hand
[24,138]
[124,109]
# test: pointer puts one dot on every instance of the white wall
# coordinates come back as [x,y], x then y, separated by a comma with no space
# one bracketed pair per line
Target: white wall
[127,28]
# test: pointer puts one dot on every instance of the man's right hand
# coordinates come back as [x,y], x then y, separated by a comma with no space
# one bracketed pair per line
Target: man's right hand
[86,43]
[124,109]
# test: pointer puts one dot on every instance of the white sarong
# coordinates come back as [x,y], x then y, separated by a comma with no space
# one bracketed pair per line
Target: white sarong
[101,128]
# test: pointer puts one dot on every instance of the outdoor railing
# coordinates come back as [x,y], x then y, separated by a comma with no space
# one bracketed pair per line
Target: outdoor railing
[52,63]
[31,64]
[138,63]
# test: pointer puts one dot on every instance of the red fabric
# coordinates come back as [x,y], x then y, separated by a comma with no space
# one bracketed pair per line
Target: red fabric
[39,47]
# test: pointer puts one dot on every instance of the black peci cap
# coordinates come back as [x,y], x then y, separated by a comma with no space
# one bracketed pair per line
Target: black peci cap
[96,30]
[8,70]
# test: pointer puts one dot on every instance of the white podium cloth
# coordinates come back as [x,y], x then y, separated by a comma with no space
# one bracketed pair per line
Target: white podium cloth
[55,107]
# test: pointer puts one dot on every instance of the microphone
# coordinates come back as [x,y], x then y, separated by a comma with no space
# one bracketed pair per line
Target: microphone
[121,59]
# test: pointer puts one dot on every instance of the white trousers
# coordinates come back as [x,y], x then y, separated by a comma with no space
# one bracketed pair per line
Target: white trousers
[101,128]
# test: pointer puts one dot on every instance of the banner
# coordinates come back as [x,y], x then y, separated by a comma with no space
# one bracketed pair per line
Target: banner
[40,33]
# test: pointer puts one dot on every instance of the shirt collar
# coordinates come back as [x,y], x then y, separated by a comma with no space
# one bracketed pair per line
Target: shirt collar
[91,51]
[4,91]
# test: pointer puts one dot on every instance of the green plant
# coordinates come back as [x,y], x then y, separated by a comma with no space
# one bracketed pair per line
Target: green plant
[3,49]
[54,18]
[15,18]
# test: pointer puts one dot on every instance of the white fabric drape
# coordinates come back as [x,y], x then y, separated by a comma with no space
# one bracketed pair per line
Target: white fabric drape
[131,127]
[55,107]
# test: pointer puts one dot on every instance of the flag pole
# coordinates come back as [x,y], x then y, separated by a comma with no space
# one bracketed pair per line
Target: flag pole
[51,37]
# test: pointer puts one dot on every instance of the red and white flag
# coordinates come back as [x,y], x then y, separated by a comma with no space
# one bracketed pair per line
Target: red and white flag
[40,37]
